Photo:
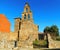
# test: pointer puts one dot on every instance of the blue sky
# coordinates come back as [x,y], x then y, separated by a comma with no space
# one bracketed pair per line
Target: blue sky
[45,12]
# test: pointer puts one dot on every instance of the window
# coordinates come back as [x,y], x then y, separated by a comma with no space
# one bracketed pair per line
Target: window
[26,9]
[25,16]
[28,16]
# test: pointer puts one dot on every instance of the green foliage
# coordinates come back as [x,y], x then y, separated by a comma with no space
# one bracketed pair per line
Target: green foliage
[36,42]
[40,42]
[53,29]
[47,29]
[43,42]
[58,38]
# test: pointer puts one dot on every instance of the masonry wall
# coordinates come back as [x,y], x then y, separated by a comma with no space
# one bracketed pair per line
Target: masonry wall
[28,33]
[7,40]
[53,43]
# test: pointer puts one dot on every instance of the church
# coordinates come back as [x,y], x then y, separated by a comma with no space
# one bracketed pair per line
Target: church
[25,28]
[25,32]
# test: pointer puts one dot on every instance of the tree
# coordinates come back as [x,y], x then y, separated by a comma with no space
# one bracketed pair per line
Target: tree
[47,29]
[52,30]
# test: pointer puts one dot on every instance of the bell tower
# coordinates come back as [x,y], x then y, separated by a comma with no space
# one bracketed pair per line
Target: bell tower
[27,14]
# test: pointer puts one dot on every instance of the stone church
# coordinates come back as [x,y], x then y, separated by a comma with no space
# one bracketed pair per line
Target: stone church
[25,32]
[25,28]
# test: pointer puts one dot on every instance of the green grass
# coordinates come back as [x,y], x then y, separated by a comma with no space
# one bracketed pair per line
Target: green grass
[58,38]
[40,43]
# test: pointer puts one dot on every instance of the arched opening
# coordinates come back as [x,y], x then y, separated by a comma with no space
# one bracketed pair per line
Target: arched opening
[25,16]
[28,16]
[26,9]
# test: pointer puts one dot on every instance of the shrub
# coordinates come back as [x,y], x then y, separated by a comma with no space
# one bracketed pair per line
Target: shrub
[58,38]
[40,42]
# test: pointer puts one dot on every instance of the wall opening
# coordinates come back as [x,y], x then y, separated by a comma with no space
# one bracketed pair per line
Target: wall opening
[26,9]
[28,16]
[25,16]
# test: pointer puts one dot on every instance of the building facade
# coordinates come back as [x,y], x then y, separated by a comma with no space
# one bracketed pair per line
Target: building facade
[25,28]
[24,34]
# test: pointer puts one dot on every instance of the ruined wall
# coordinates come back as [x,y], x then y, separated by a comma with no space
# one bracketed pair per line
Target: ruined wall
[28,33]
[7,40]
[17,24]
[53,43]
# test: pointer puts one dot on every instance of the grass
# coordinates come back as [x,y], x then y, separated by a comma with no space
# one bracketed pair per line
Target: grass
[40,43]
[58,38]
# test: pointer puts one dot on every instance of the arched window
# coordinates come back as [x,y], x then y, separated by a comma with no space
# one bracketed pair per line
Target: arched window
[26,9]
[25,16]
[28,16]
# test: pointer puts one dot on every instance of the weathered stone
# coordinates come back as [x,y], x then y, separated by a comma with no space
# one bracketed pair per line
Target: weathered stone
[53,43]
[27,31]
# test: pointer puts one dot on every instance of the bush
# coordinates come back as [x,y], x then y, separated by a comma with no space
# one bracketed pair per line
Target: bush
[58,38]
[40,44]
[43,42]
[36,42]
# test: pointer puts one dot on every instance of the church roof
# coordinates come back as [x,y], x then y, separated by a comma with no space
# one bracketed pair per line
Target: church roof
[18,18]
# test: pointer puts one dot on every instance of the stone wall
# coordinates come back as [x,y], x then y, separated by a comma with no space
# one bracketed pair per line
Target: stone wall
[7,40]
[28,33]
[25,28]
[53,43]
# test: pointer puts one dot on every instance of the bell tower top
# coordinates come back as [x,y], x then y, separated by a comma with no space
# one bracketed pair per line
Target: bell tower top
[27,7]
[26,4]
[27,14]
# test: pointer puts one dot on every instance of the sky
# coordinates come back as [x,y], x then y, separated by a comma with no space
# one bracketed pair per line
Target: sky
[45,12]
